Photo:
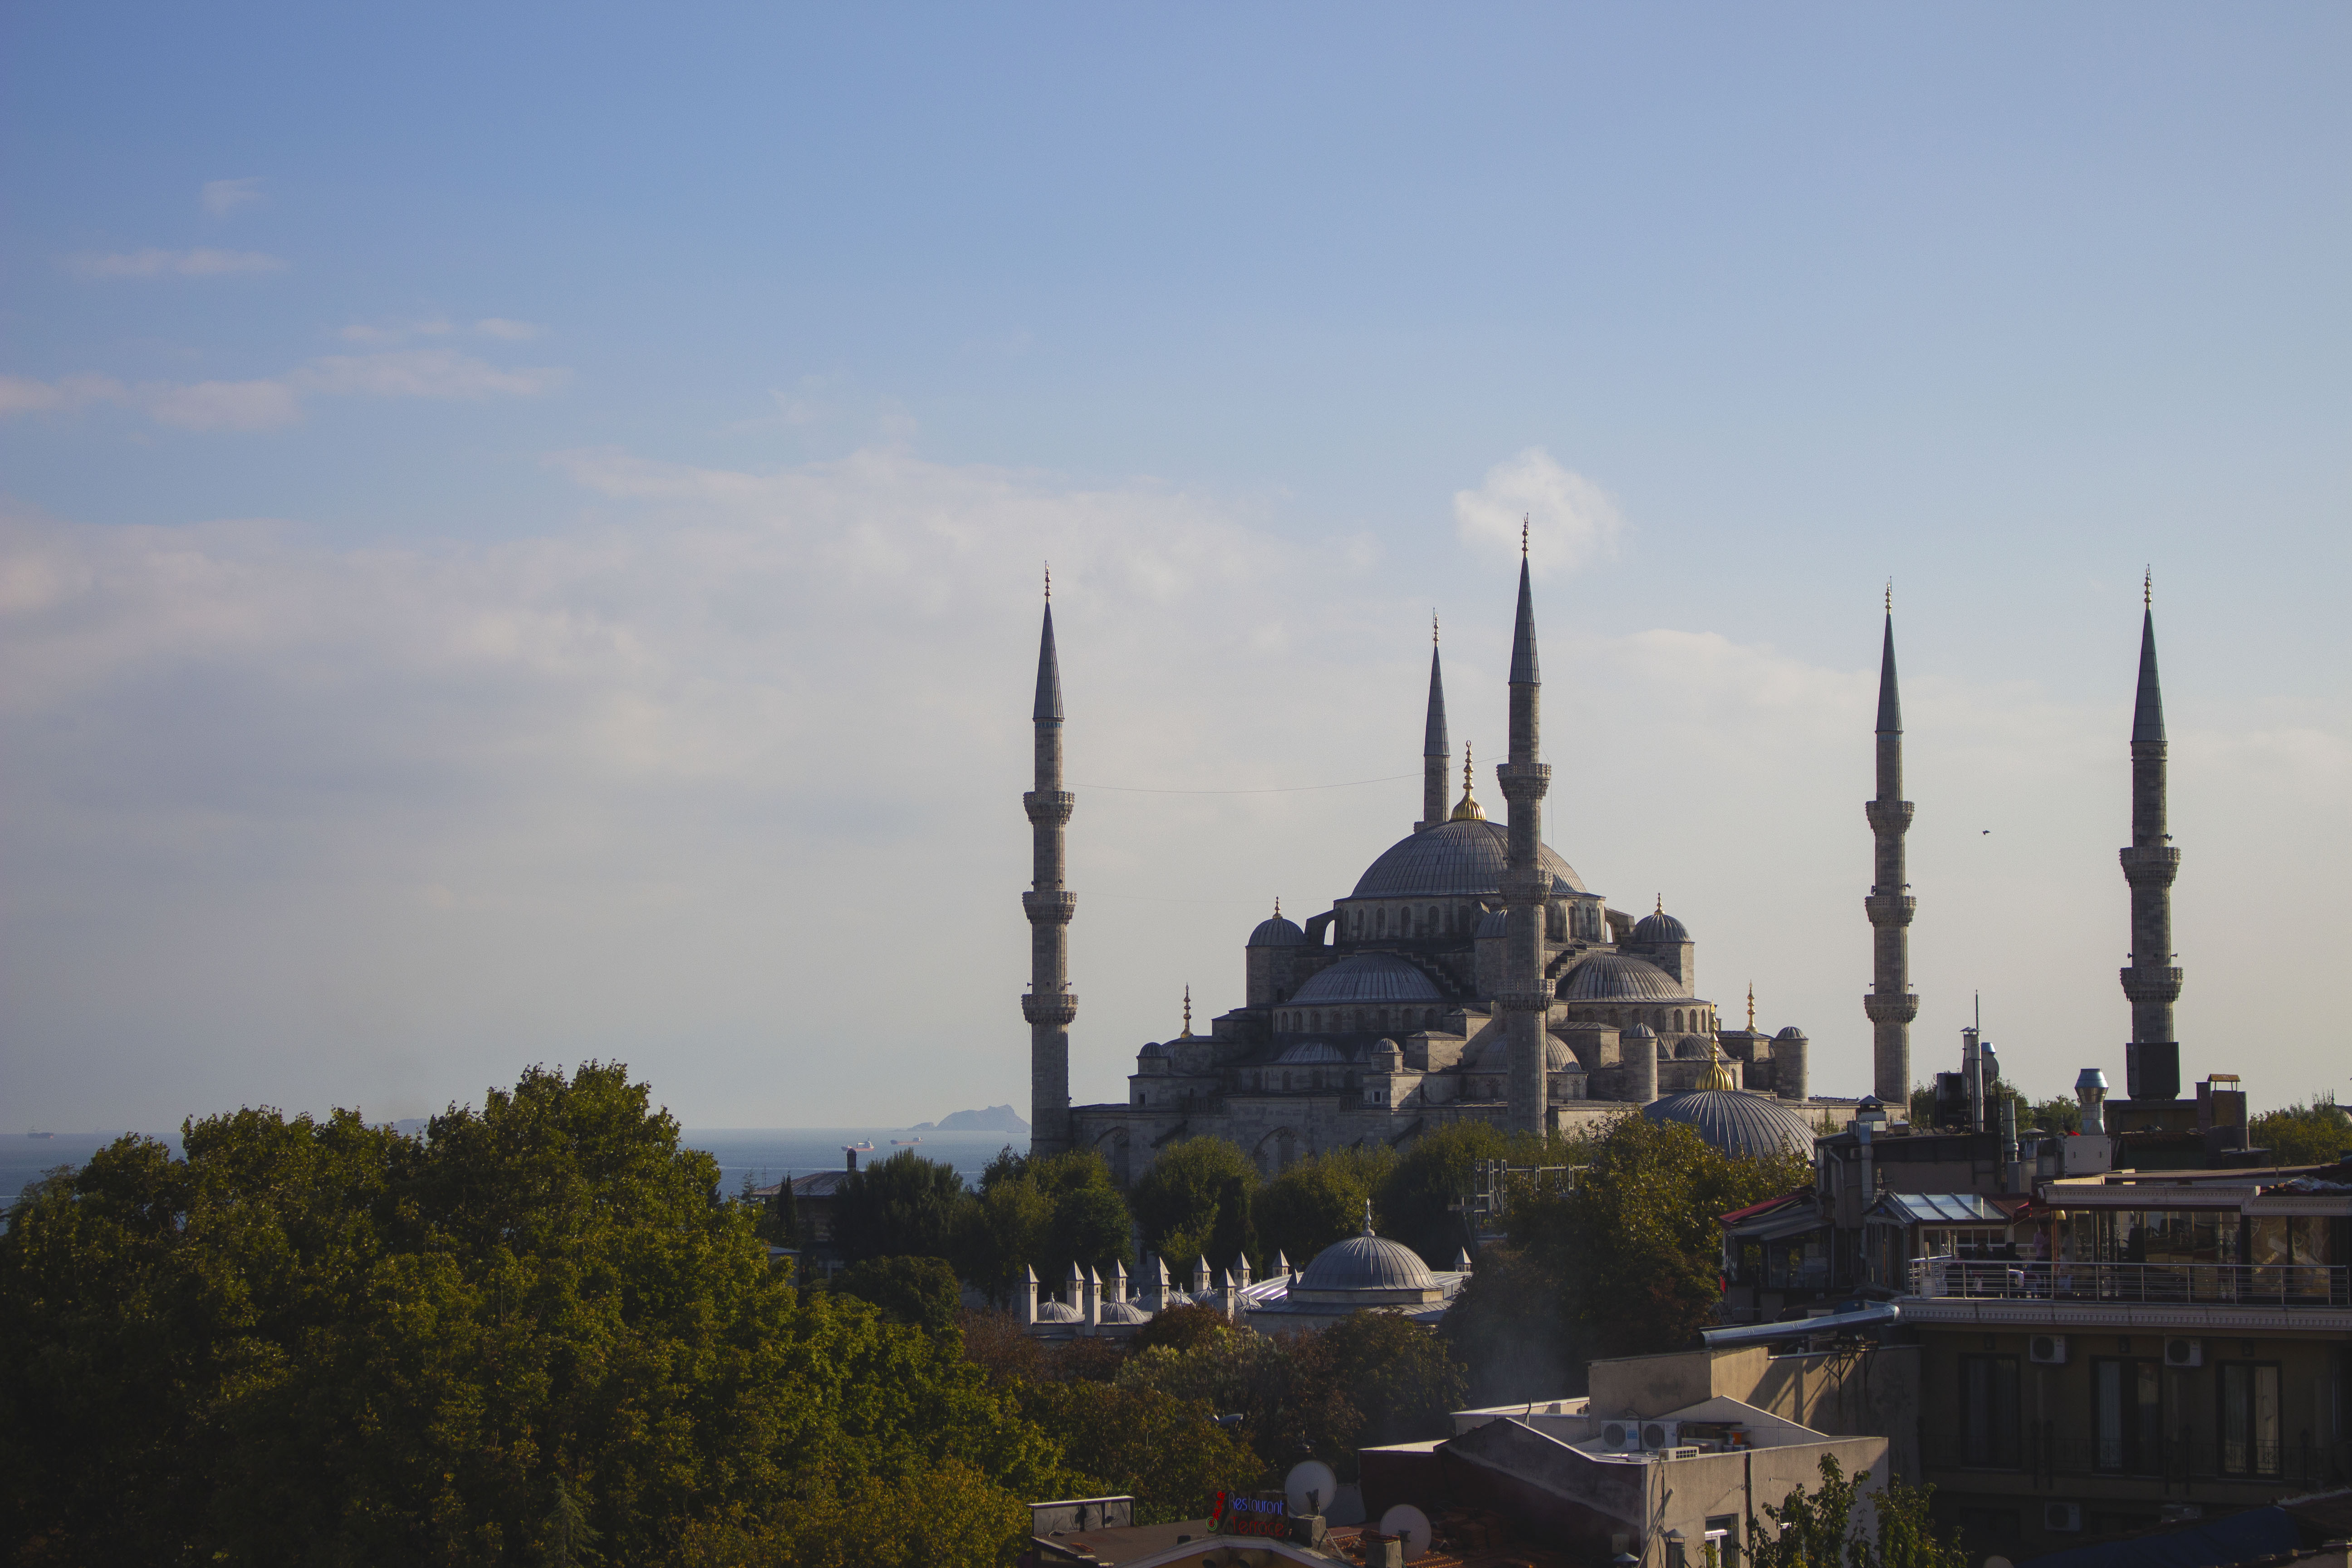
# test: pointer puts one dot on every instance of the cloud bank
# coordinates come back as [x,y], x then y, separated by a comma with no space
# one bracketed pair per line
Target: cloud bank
[1569,520]
[274,402]
[201,262]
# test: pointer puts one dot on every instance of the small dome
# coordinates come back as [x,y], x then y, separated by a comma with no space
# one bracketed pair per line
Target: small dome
[1058,1313]
[1737,1121]
[1641,1032]
[1660,929]
[1694,1048]
[1719,1075]
[1455,860]
[1153,1048]
[1125,1312]
[1791,1033]
[1611,977]
[1367,1262]
[1278,931]
[1493,922]
[1383,1049]
[1495,1056]
[1311,1053]
[1366,977]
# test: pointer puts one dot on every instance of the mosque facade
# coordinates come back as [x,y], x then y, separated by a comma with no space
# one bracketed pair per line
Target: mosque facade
[1469,974]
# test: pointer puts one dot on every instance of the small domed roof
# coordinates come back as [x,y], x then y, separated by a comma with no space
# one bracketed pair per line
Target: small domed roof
[1694,1048]
[1493,922]
[1279,931]
[1367,1262]
[1791,1033]
[1613,977]
[1737,1121]
[1151,1048]
[1660,927]
[1641,1032]
[1124,1313]
[1058,1313]
[1495,1056]
[1455,860]
[1310,1053]
[1385,1048]
[1366,977]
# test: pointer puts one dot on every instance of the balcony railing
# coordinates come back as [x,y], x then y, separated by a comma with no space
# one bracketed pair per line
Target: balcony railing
[2135,1284]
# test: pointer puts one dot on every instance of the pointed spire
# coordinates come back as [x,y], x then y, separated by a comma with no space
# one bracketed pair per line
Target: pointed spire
[1049,667]
[2148,711]
[1434,740]
[1188,1005]
[1751,1006]
[1890,703]
[1277,906]
[1523,634]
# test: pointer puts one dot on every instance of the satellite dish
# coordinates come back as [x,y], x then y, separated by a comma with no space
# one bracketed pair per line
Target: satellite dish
[1411,1527]
[1311,1487]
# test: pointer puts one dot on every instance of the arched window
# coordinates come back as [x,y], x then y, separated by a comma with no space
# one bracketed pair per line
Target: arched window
[1678,1020]
[1285,1080]
[1314,1021]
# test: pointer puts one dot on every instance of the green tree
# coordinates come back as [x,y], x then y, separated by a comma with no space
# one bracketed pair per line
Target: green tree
[1822,1529]
[525,1333]
[1403,1382]
[1319,1201]
[1086,1222]
[1182,1328]
[779,1221]
[920,1292]
[1194,1202]
[1168,1453]
[2317,1133]
[1423,1200]
[902,1206]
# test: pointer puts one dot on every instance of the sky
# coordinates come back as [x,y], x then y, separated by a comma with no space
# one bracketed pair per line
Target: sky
[520,528]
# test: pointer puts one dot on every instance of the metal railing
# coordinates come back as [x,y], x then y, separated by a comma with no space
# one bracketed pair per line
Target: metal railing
[2136,1284]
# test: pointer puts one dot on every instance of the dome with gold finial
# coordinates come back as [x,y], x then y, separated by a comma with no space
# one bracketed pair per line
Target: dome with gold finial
[1467,809]
[1719,1073]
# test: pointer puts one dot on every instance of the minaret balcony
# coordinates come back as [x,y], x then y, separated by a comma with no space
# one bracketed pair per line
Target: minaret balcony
[1523,1001]
[1049,804]
[1050,1009]
[1890,909]
[2147,984]
[1049,909]
[1891,1007]
[1524,781]
[2151,864]
[1888,816]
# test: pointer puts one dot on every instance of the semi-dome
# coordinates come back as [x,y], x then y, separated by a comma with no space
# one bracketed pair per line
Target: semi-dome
[1694,1048]
[1311,1053]
[1367,1262]
[1124,1313]
[1659,929]
[1058,1313]
[1737,1121]
[1455,860]
[1366,977]
[1613,977]
[1279,931]
[1493,922]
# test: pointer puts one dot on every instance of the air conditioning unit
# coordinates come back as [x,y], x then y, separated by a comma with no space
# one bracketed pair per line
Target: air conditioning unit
[1622,1437]
[2046,1349]
[2061,1517]
[1661,1433]
[2184,1353]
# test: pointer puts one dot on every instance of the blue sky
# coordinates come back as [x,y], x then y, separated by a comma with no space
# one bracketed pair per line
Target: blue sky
[402,327]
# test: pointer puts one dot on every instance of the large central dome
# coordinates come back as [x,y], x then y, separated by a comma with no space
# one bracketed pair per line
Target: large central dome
[1455,860]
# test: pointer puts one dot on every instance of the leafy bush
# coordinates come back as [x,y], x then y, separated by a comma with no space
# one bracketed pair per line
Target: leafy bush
[1195,1202]
[919,1292]
[903,1206]
[1319,1201]
[1182,1328]
[2317,1133]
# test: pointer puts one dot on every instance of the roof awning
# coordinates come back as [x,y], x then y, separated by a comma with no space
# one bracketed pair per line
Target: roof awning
[1940,1208]
[1862,1318]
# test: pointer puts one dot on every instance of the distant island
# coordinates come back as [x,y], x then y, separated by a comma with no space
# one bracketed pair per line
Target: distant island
[995,1119]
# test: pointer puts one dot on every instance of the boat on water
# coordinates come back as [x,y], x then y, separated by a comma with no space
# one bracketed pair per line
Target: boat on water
[864,1146]
[903,1143]
[30,1133]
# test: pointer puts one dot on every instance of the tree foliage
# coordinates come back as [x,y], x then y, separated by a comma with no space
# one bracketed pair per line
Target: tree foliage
[1168,1453]
[919,1292]
[1421,1200]
[1319,1201]
[2317,1133]
[902,1206]
[1182,1328]
[1195,1202]
[528,1333]
[1822,1528]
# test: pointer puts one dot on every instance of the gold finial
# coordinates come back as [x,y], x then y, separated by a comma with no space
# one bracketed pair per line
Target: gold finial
[1467,809]
[1523,533]
[1277,906]
[2148,587]
[1890,596]
[1432,628]
[1719,1074]
[1049,582]
[1751,1006]
[1187,1013]
[1662,905]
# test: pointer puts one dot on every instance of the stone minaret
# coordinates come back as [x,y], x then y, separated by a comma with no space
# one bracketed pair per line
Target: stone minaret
[2152,1059]
[1435,755]
[1050,1006]
[1526,1002]
[1891,1005]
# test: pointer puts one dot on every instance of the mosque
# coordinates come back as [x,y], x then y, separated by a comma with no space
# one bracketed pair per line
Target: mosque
[1470,974]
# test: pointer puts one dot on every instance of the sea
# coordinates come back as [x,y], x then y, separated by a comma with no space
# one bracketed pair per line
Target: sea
[764,1153]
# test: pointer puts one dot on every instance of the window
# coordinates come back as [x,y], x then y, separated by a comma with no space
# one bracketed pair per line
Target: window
[2249,1418]
[1989,1411]
[2125,1409]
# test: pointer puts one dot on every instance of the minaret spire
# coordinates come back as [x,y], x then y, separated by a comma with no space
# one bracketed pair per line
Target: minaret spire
[1435,753]
[2152,1059]
[1050,1004]
[1891,1004]
[1526,1001]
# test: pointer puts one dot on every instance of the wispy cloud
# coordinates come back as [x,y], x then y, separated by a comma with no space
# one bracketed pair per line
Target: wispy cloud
[512,331]
[269,402]
[1570,520]
[394,332]
[223,197]
[201,262]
